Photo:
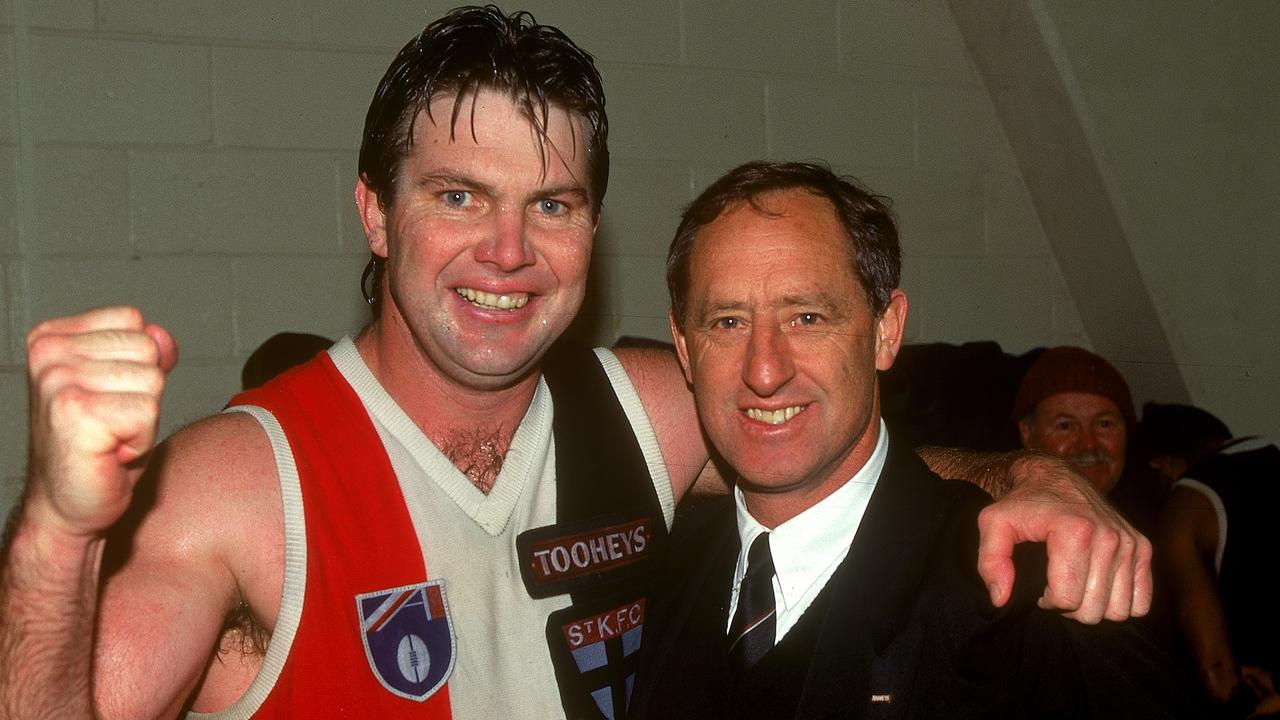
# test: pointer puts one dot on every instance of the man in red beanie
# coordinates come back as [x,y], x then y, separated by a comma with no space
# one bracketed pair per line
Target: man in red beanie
[1075,405]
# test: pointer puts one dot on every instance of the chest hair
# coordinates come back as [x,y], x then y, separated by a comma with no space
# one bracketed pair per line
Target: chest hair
[478,454]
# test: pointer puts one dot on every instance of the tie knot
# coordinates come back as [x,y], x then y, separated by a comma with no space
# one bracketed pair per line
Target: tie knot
[759,558]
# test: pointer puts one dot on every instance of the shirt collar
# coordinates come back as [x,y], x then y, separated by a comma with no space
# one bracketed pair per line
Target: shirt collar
[805,546]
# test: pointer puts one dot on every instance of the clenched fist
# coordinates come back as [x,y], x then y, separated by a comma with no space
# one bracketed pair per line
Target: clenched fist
[95,385]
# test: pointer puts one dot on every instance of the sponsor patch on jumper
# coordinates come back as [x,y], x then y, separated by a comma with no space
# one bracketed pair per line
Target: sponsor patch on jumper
[561,558]
[595,651]
[408,638]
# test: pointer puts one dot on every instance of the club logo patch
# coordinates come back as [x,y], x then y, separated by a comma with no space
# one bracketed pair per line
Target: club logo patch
[408,638]
[596,654]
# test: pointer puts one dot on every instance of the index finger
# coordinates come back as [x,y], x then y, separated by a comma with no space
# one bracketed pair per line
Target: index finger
[996,538]
[63,352]
[105,318]
[165,345]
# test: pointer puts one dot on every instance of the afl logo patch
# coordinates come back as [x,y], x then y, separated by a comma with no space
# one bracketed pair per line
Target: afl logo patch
[408,638]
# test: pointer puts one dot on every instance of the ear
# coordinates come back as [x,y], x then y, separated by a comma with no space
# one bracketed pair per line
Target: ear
[1170,466]
[1025,431]
[372,218]
[890,327]
[682,349]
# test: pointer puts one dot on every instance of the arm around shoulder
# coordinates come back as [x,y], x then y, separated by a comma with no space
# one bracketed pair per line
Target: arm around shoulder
[668,401]
[1099,565]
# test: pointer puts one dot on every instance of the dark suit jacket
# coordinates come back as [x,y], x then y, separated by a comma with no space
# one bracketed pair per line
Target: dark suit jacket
[904,629]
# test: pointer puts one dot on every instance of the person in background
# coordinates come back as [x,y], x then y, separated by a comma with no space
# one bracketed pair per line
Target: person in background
[1073,404]
[1216,548]
[1172,437]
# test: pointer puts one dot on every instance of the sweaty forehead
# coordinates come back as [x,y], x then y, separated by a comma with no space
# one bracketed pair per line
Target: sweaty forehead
[493,119]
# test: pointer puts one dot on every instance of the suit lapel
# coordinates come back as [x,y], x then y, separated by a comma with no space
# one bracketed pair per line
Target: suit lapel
[684,647]
[873,589]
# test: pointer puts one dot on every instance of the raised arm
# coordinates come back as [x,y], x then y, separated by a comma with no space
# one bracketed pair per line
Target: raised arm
[95,383]
[105,562]
[1099,566]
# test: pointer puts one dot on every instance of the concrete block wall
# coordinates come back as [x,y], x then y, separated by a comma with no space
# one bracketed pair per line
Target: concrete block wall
[1187,111]
[197,159]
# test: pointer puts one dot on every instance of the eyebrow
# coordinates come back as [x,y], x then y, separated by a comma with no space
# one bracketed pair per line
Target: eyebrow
[821,299]
[720,306]
[446,179]
[575,189]
[1063,414]
[451,179]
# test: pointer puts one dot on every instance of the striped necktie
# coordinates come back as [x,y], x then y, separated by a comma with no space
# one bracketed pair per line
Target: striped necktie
[751,633]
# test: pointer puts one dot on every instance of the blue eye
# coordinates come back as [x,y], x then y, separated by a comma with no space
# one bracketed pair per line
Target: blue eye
[551,207]
[456,198]
[727,323]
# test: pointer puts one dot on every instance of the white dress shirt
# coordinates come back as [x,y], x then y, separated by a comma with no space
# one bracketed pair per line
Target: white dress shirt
[809,547]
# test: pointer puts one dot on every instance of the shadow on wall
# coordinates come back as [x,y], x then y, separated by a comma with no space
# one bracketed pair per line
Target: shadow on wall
[279,353]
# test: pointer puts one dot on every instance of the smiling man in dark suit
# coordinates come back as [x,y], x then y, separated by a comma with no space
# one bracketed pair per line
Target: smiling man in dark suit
[843,581]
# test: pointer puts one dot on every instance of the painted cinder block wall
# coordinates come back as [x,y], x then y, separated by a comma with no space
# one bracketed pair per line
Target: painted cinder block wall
[197,159]
[1184,101]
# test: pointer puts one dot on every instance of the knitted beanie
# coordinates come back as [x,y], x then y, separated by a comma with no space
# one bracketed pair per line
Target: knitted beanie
[1072,369]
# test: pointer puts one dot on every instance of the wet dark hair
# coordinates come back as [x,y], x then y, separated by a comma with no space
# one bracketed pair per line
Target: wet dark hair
[481,48]
[866,218]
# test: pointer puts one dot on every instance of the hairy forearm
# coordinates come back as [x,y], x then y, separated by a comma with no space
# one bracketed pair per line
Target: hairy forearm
[991,471]
[48,593]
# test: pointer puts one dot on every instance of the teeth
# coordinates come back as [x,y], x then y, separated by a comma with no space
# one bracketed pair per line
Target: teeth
[489,301]
[774,417]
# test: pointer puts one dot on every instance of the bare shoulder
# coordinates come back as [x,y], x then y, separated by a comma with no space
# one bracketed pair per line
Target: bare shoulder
[214,487]
[651,366]
[1188,516]
[1189,498]
[218,496]
[668,401]
[203,537]
[1186,507]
